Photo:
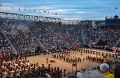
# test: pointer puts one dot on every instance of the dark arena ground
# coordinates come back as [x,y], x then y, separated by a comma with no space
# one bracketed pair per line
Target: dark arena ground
[41,59]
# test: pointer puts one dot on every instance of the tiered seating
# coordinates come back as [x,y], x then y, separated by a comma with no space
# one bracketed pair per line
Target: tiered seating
[52,34]
[112,34]
[118,44]
[91,34]
[4,44]
[74,34]
[22,39]
[15,66]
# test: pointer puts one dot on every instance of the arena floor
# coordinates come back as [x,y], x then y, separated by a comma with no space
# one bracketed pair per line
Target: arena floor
[60,63]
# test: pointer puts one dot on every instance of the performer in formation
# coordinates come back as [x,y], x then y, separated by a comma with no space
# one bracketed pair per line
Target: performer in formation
[67,57]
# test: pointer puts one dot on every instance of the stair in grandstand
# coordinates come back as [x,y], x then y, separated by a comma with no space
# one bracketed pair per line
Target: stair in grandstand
[19,35]
[110,35]
[117,42]
[52,32]
[98,38]
[11,45]
[83,36]
[42,45]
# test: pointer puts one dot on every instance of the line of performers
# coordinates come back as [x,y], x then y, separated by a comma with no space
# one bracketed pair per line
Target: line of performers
[66,56]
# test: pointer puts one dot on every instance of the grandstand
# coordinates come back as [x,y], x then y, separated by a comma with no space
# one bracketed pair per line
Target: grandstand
[30,35]
[49,33]
[59,39]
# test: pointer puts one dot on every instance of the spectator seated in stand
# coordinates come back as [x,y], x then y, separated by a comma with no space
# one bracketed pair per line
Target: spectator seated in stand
[71,75]
[16,66]
[91,74]
[104,68]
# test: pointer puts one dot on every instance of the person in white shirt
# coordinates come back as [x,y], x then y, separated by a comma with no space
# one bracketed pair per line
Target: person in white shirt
[47,75]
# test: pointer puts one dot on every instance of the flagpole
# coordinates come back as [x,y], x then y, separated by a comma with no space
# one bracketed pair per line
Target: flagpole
[113,12]
[6,8]
[0,12]
[0,9]
[12,8]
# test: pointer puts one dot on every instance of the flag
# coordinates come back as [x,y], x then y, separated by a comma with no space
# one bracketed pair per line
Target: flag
[0,5]
[115,8]
[24,9]
[44,11]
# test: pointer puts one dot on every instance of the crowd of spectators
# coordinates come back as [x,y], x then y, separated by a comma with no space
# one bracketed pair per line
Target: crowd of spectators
[118,45]
[51,34]
[4,44]
[54,34]
[112,34]
[16,66]
[108,69]
[91,33]
[19,35]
